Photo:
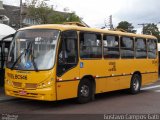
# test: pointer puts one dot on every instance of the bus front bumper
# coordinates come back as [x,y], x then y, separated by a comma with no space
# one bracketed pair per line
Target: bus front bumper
[45,94]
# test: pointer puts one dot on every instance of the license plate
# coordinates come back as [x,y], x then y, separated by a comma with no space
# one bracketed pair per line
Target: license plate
[22,92]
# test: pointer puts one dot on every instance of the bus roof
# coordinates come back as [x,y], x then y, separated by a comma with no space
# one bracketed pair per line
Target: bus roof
[63,27]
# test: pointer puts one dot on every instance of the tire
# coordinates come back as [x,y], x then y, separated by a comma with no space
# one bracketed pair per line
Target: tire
[85,91]
[135,84]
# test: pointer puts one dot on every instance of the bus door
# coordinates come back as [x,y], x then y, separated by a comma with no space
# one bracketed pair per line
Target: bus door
[67,68]
[4,49]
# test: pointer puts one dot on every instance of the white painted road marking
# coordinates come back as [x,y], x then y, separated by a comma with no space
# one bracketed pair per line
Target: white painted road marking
[156,90]
[150,87]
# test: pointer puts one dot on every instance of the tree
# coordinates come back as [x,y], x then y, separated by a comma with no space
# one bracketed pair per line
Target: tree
[126,26]
[61,17]
[43,14]
[39,11]
[151,29]
[72,17]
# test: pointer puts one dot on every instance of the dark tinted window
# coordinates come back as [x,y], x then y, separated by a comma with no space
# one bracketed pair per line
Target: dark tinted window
[152,48]
[140,47]
[68,52]
[90,45]
[127,47]
[111,46]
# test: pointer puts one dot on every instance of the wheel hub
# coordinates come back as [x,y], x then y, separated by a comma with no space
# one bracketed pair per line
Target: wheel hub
[84,91]
[135,83]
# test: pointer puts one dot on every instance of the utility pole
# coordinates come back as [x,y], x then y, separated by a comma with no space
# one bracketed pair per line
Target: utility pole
[110,22]
[20,24]
[143,25]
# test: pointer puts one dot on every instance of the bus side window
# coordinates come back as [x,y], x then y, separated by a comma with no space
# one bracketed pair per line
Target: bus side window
[68,52]
[141,48]
[127,47]
[111,46]
[90,45]
[152,48]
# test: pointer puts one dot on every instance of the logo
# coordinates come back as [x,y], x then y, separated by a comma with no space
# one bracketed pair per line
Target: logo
[28,65]
[81,65]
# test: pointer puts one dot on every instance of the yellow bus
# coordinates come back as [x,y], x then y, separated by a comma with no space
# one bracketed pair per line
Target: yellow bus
[54,62]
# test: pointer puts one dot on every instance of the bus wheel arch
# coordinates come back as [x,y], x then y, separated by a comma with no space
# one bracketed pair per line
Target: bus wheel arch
[135,83]
[86,89]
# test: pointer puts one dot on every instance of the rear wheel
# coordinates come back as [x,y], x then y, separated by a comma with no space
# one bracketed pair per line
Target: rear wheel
[135,84]
[85,91]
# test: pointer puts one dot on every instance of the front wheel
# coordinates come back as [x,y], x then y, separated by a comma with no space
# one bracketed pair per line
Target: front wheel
[135,84]
[85,91]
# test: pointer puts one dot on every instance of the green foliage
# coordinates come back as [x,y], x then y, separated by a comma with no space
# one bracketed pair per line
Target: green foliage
[151,29]
[126,26]
[43,14]
[73,18]
[39,11]
[59,17]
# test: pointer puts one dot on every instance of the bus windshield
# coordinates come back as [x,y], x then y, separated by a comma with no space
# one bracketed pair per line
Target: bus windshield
[33,49]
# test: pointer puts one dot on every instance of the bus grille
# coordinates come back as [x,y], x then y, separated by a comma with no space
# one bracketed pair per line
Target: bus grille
[17,84]
[26,85]
[31,86]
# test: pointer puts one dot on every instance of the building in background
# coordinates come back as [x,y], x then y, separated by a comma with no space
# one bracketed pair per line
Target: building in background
[9,15]
[17,17]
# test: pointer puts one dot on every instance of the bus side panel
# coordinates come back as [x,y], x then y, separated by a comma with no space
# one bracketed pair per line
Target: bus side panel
[67,89]
[151,71]
[125,81]
[147,67]
[67,84]
[121,70]
[149,78]
[95,68]
[112,83]
[101,85]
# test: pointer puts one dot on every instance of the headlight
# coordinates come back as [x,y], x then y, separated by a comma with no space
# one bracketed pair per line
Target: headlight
[45,84]
[8,82]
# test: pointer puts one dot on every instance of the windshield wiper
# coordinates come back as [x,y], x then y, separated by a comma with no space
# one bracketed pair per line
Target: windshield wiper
[18,59]
[20,56]
[25,51]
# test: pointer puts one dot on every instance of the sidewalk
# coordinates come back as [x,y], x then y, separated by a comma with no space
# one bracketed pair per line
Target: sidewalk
[3,97]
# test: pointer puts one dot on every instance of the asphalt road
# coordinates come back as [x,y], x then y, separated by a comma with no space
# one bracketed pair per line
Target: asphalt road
[118,102]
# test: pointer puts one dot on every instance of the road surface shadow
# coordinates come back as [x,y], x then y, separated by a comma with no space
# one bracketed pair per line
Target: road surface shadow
[71,102]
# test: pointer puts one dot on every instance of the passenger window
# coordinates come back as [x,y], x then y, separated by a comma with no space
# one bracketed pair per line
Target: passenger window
[127,47]
[152,48]
[68,52]
[111,46]
[90,45]
[140,47]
